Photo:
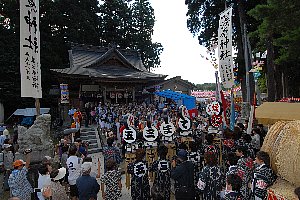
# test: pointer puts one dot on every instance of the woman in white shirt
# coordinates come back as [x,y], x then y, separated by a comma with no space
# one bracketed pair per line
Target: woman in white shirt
[44,179]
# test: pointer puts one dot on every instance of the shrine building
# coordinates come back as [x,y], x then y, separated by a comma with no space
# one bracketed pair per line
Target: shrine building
[105,74]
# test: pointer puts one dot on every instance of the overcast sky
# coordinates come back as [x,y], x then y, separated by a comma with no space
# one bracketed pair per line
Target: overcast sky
[181,55]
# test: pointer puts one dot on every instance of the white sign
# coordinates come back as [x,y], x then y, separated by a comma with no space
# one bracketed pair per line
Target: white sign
[184,124]
[167,129]
[64,93]
[225,48]
[30,49]
[129,135]
[150,134]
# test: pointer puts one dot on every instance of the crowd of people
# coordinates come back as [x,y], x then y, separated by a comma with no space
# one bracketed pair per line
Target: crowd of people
[227,165]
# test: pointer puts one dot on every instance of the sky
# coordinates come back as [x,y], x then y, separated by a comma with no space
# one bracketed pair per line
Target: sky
[181,54]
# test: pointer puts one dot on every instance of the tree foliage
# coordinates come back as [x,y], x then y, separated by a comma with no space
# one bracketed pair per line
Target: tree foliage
[280,20]
[271,24]
[127,23]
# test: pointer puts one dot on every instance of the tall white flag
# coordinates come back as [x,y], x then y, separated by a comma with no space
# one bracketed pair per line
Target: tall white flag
[225,48]
[30,49]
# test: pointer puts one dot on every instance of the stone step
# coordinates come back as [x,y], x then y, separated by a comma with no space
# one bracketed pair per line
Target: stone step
[92,141]
[88,137]
[94,150]
[87,129]
[93,145]
[88,133]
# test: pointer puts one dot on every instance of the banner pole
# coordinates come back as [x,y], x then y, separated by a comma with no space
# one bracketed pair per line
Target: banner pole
[37,106]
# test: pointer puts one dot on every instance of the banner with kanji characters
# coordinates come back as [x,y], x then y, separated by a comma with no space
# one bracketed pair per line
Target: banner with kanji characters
[225,48]
[64,93]
[30,49]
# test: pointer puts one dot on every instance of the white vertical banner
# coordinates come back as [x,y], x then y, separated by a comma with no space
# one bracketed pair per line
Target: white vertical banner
[30,49]
[225,48]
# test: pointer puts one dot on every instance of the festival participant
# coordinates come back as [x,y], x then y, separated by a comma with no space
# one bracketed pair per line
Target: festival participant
[140,188]
[195,157]
[263,176]
[183,174]
[237,133]
[228,143]
[18,182]
[233,186]
[74,169]
[162,169]
[211,178]
[111,152]
[232,160]
[245,169]
[87,186]
[209,146]
[247,142]
[112,182]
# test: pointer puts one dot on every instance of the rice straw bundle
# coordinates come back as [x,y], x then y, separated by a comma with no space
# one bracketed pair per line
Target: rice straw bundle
[288,154]
[272,140]
[281,190]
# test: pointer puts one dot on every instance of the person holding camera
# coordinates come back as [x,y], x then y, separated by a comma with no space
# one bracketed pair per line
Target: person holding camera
[183,174]
[18,182]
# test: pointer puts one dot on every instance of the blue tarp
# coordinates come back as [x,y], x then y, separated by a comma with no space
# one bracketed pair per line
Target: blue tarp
[186,100]
[30,112]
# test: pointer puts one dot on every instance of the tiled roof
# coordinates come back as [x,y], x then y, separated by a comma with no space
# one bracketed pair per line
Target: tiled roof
[89,61]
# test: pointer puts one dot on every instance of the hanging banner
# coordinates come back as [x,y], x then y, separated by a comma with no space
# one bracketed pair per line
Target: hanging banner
[225,48]
[64,93]
[30,49]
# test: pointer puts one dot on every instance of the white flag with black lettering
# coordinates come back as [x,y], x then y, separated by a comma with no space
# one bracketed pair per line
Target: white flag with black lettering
[225,48]
[30,49]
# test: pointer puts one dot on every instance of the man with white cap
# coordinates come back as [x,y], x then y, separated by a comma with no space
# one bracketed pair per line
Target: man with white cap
[88,186]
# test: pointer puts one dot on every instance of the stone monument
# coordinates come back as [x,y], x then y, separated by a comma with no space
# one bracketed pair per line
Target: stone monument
[37,138]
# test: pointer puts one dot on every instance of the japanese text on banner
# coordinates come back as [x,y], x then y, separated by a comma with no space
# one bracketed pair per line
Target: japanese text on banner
[225,48]
[30,49]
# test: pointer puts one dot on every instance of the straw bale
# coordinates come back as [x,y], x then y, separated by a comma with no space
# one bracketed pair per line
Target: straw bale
[272,140]
[288,153]
[282,189]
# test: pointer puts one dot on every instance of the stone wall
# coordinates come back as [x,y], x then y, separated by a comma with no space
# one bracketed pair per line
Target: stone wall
[37,138]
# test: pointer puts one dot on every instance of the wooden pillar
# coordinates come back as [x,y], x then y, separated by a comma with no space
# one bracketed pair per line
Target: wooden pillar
[133,94]
[104,94]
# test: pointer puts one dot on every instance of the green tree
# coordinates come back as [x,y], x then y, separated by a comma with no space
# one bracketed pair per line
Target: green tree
[142,30]
[115,23]
[279,32]
[203,20]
